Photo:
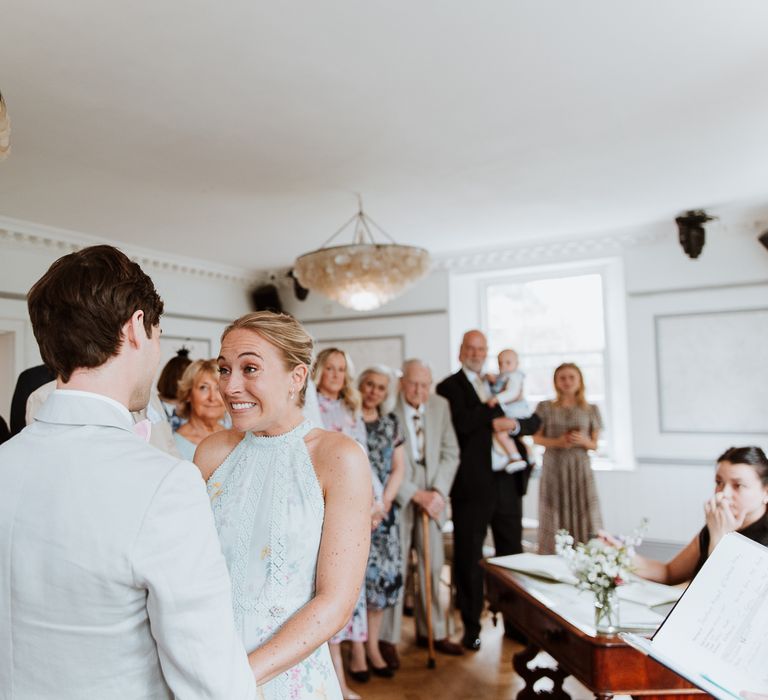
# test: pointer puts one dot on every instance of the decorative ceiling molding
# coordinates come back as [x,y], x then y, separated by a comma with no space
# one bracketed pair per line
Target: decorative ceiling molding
[551,251]
[25,235]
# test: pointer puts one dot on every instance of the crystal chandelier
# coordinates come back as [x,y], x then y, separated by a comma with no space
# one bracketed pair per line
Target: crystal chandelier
[5,129]
[365,274]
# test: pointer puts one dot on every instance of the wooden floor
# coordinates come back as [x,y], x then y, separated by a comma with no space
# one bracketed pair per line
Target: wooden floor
[487,673]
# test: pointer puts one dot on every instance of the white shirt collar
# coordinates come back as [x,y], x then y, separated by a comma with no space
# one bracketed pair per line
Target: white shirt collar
[410,410]
[100,397]
[471,375]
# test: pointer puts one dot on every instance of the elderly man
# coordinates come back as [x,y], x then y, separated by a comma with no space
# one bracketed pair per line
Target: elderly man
[484,492]
[113,584]
[432,456]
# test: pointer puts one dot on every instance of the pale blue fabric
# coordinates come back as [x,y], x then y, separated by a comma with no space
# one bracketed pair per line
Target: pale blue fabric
[269,510]
[185,447]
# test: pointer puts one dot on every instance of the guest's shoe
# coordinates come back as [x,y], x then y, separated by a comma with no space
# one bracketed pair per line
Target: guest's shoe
[471,642]
[360,676]
[444,646]
[381,671]
[389,652]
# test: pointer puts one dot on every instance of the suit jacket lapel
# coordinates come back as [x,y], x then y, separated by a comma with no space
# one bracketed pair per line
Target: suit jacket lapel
[432,444]
[469,389]
[400,413]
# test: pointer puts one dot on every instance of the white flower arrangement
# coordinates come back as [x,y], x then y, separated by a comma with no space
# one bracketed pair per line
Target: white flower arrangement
[600,565]
[596,564]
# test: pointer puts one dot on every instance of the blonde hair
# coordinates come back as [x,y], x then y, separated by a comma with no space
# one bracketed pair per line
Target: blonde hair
[285,333]
[187,381]
[580,397]
[388,403]
[348,394]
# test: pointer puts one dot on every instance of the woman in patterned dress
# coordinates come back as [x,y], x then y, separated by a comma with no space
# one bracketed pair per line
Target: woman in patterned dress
[383,577]
[291,505]
[339,403]
[569,428]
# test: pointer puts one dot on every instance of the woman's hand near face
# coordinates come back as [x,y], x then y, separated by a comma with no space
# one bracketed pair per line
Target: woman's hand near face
[720,519]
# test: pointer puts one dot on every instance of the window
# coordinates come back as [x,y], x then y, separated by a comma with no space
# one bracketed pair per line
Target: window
[557,316]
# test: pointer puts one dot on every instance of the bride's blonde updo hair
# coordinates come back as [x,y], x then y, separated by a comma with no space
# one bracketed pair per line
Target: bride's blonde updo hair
[282,331]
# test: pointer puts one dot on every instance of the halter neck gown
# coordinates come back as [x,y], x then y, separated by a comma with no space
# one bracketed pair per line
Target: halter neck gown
[269,509]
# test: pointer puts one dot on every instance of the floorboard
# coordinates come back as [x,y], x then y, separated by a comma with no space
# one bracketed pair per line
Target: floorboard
[483,675]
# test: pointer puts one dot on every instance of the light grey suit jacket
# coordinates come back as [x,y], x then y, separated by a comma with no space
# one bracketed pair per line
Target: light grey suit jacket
[441,450]
[112,582]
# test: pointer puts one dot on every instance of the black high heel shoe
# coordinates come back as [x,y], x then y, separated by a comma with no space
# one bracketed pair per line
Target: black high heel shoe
[360,676]
[381,671]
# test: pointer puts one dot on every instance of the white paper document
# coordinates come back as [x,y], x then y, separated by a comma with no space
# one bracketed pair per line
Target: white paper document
[649,593]
[717,635]
[548,566]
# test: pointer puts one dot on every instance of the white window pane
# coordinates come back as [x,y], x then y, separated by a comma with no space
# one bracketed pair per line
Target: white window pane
[548,322]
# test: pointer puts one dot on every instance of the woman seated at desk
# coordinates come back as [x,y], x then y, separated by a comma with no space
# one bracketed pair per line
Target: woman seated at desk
[738,505]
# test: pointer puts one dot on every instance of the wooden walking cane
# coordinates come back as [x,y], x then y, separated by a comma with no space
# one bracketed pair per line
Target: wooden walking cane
[428,588]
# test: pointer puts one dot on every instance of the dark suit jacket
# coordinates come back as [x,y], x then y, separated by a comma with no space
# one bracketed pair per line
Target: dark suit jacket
[29,380]
[472,421]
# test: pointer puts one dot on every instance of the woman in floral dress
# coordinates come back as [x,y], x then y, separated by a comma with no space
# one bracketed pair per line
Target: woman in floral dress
[569,428]
[383,578]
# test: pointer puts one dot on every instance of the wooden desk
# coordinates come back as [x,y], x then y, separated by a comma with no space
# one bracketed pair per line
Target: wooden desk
[604,664]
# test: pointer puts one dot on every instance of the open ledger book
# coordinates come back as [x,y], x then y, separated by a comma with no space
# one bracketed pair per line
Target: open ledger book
[554,568]
[716,636]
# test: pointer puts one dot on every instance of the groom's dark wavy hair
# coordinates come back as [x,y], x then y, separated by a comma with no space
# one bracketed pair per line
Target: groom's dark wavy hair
[78,308]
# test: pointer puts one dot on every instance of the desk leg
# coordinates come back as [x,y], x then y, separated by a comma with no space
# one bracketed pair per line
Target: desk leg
[530,675]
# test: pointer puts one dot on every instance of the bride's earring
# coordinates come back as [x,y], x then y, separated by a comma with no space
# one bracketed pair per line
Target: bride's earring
[292,394]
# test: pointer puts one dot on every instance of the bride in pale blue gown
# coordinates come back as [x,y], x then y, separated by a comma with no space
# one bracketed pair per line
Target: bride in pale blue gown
[292,507]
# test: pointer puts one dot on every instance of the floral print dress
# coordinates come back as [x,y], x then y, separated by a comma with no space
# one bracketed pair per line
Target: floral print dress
[338,418]
[269,509]
[567,493]
[383,576]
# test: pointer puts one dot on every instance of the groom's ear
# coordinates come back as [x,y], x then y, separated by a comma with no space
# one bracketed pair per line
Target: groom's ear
[133,331]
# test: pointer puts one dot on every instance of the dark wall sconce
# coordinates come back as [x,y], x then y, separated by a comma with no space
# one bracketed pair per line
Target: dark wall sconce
[763,238]
[691,228]
[300,292]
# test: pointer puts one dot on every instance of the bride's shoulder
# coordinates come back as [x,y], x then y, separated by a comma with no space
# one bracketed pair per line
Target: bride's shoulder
[212,451]
[329,450]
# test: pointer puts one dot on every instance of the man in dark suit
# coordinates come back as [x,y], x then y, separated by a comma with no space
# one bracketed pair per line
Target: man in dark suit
[484,493]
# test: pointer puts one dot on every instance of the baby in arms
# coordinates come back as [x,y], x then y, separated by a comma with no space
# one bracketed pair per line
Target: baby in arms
[507,390]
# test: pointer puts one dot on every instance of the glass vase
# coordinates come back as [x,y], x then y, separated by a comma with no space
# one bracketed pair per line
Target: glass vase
[606,611]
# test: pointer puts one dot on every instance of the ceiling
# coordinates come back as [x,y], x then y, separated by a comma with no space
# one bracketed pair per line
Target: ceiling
[239,131]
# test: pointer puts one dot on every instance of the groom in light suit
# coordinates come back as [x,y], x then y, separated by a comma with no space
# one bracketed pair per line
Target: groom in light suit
[112,583]
[431,459]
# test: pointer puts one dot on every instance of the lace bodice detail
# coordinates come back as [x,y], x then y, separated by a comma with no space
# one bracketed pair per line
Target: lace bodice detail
[268,507]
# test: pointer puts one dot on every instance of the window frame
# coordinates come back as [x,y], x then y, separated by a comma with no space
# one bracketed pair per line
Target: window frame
[619,449]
